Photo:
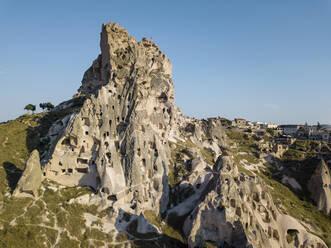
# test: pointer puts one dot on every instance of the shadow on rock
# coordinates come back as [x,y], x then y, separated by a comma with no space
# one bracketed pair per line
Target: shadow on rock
[13,175]
[140,232]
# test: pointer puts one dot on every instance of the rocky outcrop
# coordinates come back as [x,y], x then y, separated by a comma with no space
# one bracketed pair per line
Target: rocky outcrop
[239,212]
[319,187]
[31,178]
[117,142]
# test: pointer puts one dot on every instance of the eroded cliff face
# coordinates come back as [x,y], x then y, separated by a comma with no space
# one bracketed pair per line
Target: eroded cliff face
[319,186]
[130,144]
[239,211]
[118,140]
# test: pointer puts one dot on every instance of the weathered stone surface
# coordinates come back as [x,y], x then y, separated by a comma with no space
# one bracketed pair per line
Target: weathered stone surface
[118,141]
[319,186]
[239,211]
[31,178]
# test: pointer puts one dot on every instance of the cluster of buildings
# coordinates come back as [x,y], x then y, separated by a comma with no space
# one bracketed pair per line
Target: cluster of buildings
[314,132]
[242,123]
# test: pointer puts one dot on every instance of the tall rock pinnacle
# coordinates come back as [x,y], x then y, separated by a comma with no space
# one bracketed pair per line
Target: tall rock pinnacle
[118,140]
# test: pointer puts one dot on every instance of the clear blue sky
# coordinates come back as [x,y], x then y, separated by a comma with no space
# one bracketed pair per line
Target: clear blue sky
[260,60]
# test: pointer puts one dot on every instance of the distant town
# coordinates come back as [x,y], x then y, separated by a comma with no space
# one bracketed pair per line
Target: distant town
[306,132]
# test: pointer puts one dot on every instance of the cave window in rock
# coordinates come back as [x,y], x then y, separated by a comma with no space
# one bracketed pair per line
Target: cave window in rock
[118,119]
[119,97]
[86,132]
[82,170]
[155,109]
[110,122]
[86,121]
[113,107]
[117,145]
[112,198]
[163,97]
[144,162]
[108,154]
[66,141]
[106,144]
[100,123]
[139,153]
[63,170]
[233,203]
[44,174]
[163,110]
[82,150]
[69,170]
[60,163]
[105,190]
[107,133]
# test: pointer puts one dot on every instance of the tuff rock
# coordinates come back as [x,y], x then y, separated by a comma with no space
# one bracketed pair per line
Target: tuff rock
[238,211]
[117,142]
[31,178]
[319,186]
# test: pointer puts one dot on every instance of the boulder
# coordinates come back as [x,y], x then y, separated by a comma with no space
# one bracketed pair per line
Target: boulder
[31,179]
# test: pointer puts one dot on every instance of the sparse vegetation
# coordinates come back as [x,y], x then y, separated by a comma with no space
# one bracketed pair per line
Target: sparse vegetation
[30,107]
[171,227]
[270,131]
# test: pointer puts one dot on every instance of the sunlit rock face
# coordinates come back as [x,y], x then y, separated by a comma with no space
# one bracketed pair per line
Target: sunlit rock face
[319,186]
[118,140]
[30,181]
[239,211]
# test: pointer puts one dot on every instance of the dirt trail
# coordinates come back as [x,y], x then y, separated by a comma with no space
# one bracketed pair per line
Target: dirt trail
[5,142]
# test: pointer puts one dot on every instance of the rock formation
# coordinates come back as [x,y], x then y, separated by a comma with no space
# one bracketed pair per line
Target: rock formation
[31,178]
[238,211]
[319,186]
[118,140]
[130,144]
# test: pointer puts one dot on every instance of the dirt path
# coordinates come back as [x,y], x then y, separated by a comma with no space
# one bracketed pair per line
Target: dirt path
[5,142]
